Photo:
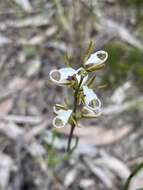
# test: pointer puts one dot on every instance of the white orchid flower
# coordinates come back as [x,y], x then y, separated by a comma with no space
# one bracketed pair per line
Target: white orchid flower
[96,60]
[61,76]
[88,113]
[92,102]
[62,118]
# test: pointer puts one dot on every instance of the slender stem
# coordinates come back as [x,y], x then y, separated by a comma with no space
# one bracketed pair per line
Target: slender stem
[70,137]
[74,111]
[73,125]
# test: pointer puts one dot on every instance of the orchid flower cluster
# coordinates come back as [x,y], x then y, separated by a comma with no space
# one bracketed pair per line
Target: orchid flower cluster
[86,102]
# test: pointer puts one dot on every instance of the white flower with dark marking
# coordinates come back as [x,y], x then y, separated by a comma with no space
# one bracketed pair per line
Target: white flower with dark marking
[91,100]
[62,118]
[68,76]
[62,76]
[96,60]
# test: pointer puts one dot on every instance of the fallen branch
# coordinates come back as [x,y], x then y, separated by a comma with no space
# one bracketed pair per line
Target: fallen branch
[33,120]
[118,109]
[32,21]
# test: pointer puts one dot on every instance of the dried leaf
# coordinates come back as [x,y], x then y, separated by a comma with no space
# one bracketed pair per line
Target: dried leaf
[115,165]
[11,130]
[6,106]
[5,168]
[4,40]
[100,173]
[98,135]
[25,4]
[33,68]
[17,83]
[70,177]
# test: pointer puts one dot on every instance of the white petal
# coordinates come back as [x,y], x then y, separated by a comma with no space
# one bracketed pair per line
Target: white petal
[95,59]
[62,118]
[89,97]
[60,76]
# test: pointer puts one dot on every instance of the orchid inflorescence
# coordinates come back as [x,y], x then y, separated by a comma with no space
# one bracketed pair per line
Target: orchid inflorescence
[86,102]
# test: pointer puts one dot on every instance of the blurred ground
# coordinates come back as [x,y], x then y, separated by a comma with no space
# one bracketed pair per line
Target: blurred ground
[34,35]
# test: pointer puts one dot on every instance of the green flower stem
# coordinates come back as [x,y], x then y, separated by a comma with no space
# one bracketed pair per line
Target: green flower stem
[74,111]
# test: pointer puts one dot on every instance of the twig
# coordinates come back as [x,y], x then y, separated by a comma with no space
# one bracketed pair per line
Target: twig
[22,119]
[118,109]
[120,31]
[33,21]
